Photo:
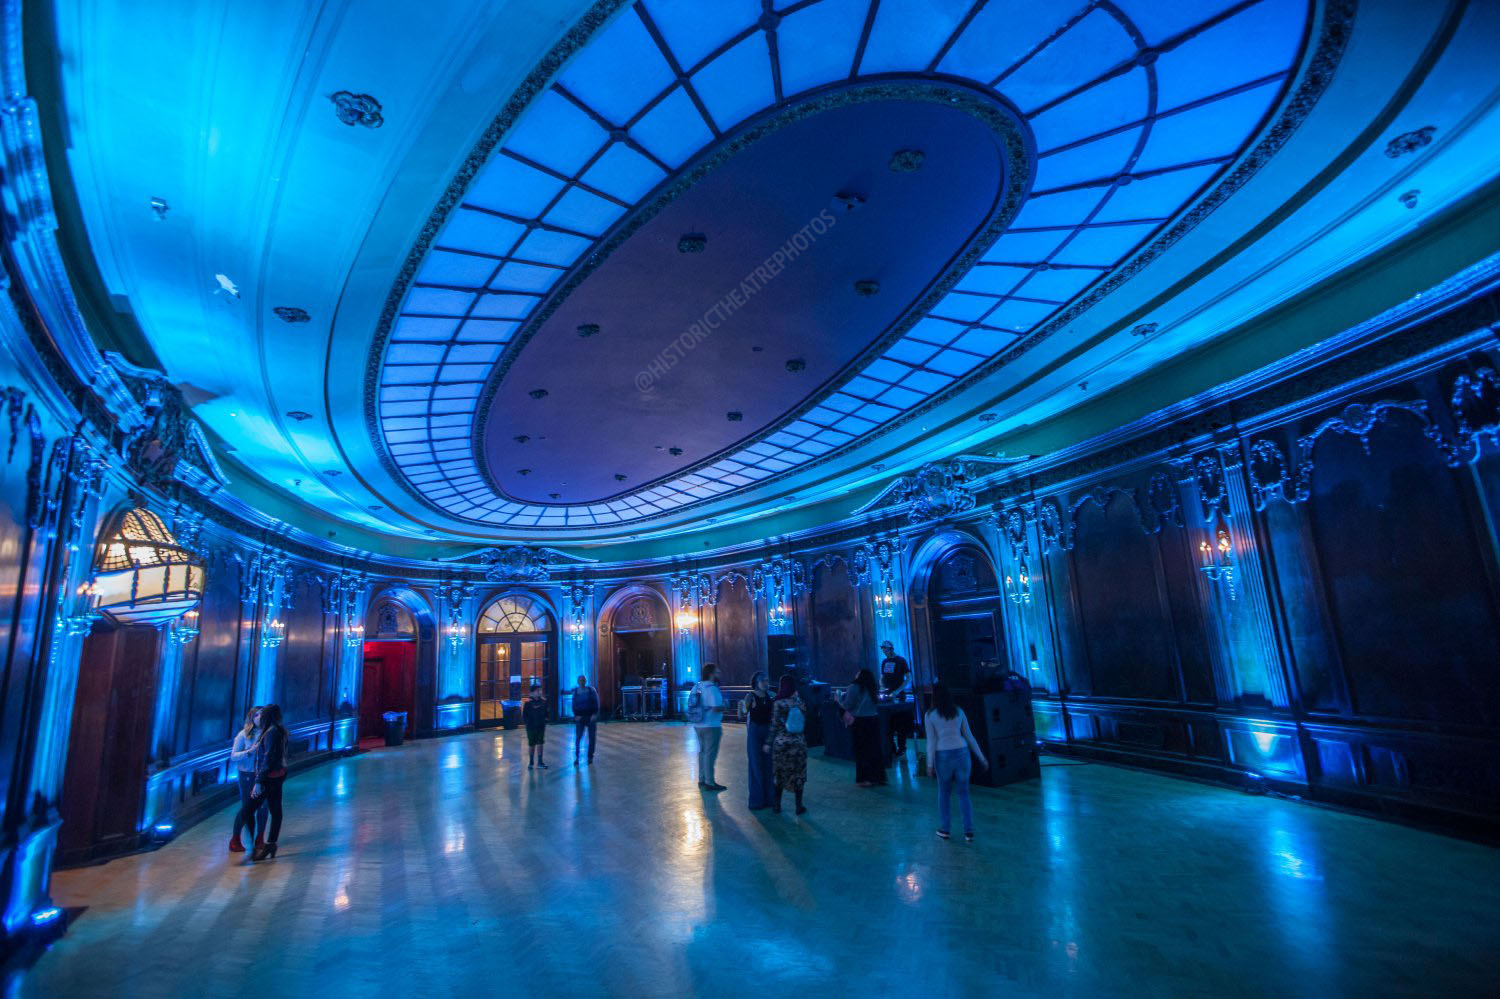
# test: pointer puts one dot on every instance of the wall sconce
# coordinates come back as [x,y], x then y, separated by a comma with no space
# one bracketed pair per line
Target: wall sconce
[1018,589]
[273,634]
[354,634]
[184,630]
[81,620]
[685,621]
[885,601]
[457,632]
[1218,559]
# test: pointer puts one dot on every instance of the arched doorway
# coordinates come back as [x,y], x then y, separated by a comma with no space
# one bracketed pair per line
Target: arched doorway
[642,644]
[388,674]
[964,621]
[515,647]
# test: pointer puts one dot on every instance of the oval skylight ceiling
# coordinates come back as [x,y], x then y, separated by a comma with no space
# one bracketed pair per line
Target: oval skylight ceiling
[1133,109]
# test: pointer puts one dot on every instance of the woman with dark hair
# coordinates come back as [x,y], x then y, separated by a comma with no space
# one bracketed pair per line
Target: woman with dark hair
[952,740]
[242,760]
[862,713]
[757,708]
[788,743]
[270,775]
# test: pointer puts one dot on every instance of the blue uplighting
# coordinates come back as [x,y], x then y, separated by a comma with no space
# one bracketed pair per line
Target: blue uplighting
[47,916]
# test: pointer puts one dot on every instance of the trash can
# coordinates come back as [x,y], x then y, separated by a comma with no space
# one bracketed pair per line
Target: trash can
[510,714]
[395,727]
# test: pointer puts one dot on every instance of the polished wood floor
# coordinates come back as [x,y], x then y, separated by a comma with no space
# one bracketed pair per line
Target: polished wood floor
[446,868]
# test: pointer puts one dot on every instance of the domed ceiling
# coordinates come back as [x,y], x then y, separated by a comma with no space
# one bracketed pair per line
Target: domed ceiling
[727,241]
[581,273]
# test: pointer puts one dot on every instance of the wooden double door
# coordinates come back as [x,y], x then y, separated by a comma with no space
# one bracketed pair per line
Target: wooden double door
[507,666]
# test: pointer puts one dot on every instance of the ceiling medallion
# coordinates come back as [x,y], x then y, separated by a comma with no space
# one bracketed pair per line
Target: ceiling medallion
[907,160]
[1409,142]
[693,242]
[1145,329]
[538,393]
[864,289]
[357,109]
[796,364]
[291,314]
[298,415]
[521,438]
[587,330]
[734,416]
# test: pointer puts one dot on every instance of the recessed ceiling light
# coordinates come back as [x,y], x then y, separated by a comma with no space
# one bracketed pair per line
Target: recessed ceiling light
[523,471]
[375,509]
[619,477]
[796,364]
[988,417]
[298,415]
[587,330]
[538,393]
[159,208]
[866,288]
[674,451]
[734,416]
[291,314]
[521,438]
[333,473]
[692,242]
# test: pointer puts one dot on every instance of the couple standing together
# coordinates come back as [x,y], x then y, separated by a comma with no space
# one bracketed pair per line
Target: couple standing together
[775,743]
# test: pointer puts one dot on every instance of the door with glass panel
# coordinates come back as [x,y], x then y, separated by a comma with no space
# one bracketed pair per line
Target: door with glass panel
[515,649]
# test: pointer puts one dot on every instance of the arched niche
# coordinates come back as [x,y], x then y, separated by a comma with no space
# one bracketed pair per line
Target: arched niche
[957,623]
[634,640]
[398,671]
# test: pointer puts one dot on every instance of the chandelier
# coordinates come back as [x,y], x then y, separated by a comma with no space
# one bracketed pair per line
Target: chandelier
[143,576]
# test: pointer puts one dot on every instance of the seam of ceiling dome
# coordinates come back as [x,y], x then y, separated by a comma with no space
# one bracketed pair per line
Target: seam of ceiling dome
[1283,114]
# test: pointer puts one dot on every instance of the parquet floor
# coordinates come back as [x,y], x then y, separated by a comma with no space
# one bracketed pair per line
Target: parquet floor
[445,868]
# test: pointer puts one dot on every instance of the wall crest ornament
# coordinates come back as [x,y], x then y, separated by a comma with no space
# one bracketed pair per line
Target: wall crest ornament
[520,563]
[939,489]
[169,444]
[1475,402]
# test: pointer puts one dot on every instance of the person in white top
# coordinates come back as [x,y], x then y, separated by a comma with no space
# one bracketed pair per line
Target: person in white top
[242,760]
[948,730]
[706,713]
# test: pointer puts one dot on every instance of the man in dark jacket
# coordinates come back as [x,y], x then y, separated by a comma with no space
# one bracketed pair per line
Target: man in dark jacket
[585,717]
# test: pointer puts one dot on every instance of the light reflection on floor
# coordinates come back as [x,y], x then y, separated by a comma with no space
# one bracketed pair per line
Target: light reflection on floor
[449,860]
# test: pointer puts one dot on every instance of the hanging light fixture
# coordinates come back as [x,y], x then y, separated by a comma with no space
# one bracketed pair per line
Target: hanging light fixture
[143,576]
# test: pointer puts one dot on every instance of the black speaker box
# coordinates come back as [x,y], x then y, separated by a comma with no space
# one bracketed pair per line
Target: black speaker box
[1012,758]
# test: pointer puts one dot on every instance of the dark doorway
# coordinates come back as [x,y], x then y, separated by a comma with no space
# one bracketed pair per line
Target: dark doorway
[109,744]
[641,647]
[389,683]
[963,599]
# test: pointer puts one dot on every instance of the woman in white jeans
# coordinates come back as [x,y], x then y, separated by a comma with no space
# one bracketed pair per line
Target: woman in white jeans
[951,740]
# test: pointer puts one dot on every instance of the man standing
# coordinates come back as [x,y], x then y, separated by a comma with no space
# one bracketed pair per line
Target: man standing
[585,717]
[705,712]
[895,681]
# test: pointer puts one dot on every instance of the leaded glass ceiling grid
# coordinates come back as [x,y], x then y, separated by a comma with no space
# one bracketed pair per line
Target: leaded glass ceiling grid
[1136,107]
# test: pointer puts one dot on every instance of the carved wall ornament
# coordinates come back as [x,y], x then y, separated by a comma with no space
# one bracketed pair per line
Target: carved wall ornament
[357,109]
[939,488]
[1208,476]
[1166,507]
[1409,142]
[1475,401]
[1015,531]
[1269,475]
[1049,525]
[1360,420]
[516,564]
